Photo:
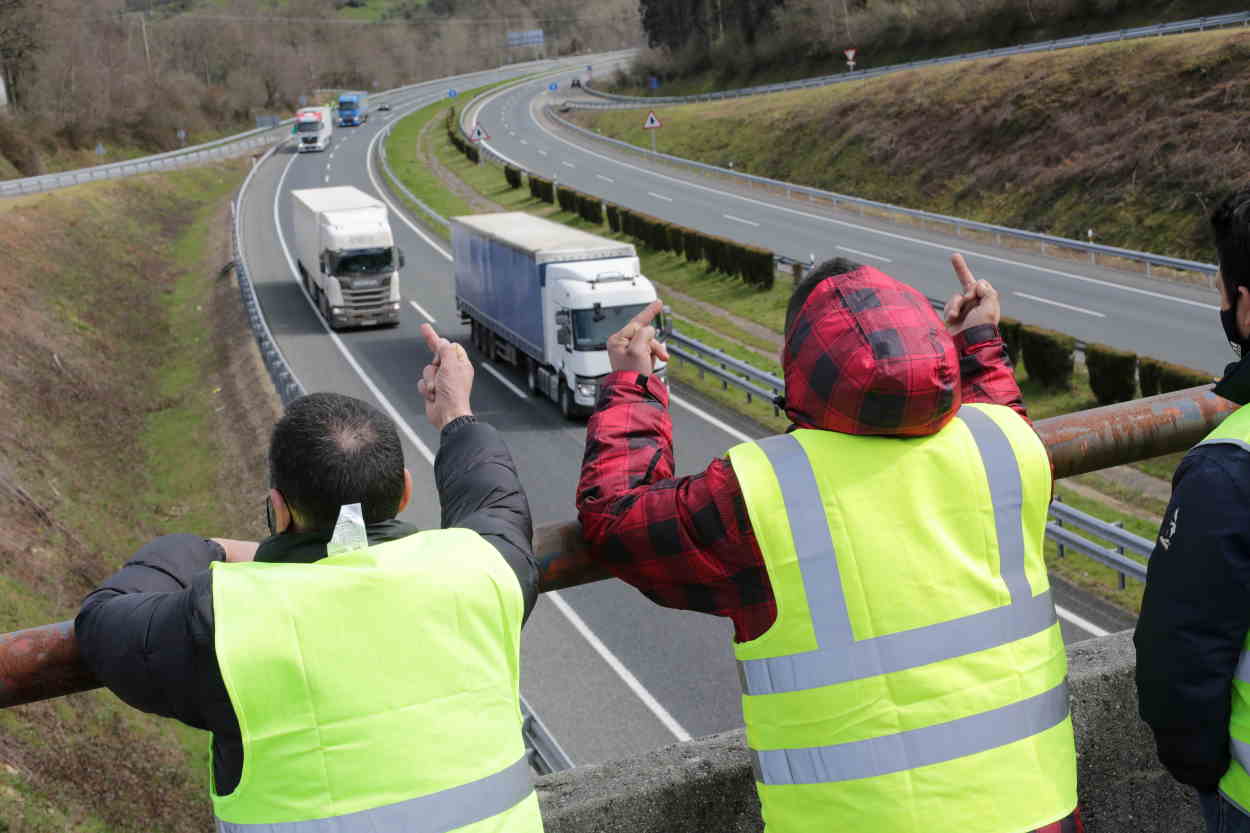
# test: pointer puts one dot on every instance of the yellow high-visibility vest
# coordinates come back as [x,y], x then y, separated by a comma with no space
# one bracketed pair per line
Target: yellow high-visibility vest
[915,676]
[376,690]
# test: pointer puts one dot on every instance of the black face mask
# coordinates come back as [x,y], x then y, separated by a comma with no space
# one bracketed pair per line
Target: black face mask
[1228,319]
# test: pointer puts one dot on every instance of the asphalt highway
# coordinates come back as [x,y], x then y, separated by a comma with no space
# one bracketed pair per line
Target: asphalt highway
[1151,317]
[609,672]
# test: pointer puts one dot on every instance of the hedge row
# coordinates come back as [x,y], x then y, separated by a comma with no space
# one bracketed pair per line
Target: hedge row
[453,134]
[753,264]
[1114,375]
[512,175]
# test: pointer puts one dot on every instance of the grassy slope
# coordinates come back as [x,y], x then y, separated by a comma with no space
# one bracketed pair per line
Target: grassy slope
[1135,140]
[109,398]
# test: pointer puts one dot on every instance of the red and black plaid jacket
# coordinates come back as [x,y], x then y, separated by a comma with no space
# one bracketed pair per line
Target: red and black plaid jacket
[686,542]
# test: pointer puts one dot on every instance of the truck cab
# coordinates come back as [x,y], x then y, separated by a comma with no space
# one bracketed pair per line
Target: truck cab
[353,109]
[313,128]
[587,303]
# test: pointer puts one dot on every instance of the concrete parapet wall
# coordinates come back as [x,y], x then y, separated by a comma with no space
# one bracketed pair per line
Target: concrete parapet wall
[706,786]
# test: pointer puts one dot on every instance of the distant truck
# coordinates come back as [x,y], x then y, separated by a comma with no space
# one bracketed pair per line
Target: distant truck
[545,297]
[353,109]
[347,256]
[313,128]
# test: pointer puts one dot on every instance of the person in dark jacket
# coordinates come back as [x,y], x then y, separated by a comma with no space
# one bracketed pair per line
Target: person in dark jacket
[876,463]
[153,631]
[1191,635]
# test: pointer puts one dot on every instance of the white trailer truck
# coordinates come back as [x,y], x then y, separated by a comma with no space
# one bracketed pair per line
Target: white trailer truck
[313,128]
[347,256]
[545,297]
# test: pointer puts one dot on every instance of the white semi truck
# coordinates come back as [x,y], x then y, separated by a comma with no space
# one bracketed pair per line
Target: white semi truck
[545,297]
[313,128]
[347,256]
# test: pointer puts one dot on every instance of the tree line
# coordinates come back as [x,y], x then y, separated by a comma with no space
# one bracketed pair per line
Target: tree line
[137,72]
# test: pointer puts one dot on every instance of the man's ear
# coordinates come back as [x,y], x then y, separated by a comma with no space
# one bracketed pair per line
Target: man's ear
[407,491]
[281,512]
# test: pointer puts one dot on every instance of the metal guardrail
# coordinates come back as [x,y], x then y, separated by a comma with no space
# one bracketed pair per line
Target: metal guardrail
[1157,30]
[790,189]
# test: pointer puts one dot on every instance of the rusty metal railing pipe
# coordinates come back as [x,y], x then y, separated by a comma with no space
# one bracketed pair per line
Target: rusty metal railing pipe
[39,663]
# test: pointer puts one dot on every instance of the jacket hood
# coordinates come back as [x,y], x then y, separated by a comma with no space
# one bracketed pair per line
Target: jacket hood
[867,355]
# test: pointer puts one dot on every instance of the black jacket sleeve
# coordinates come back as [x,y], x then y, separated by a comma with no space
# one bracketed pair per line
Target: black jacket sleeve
[479,489]
[1195,614]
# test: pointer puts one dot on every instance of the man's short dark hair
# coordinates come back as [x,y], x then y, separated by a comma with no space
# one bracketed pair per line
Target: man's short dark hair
[330,450]
[828,269]
[1230,221]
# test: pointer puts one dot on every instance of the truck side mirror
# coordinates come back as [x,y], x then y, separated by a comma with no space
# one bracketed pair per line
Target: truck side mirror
[401,258]
[323,264]
[564,336]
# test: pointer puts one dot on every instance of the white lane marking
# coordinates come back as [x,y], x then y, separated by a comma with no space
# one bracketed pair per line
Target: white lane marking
[699,412]
[543,152]
[892,235]
[524,142]
[740,220]
[511,132]
[568,164]
[1060,304]
[327,177]
[647,698]
[864,254]
[659,196]
[390,409]
[493,372]
[606,178]
[1083,624]
[423,313]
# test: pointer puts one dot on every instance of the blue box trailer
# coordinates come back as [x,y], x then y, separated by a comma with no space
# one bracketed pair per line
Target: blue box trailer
[545,297]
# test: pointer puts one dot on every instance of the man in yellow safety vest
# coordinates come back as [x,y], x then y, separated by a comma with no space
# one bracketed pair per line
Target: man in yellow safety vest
[356,674]
[902,667]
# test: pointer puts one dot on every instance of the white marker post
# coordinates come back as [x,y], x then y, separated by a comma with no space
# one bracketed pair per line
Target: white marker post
[850,59]
[652,123]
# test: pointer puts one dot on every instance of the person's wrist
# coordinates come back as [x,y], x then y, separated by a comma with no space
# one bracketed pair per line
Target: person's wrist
[452,415]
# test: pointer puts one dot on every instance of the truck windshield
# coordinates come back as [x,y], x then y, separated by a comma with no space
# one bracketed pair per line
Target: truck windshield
[364,261]
[591,334]
[309,127]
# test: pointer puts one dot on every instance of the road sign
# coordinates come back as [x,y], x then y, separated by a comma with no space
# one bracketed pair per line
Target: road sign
[652,122]
[553,86]
[478,134]
[850,55]
[452,93]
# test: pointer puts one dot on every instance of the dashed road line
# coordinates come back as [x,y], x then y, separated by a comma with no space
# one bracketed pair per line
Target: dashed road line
[865,254]
[659,196]
[423,313]
[493,372]
[740,220]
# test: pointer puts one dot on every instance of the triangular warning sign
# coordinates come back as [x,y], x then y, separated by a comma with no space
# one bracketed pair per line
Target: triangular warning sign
[478,134]
[651,121]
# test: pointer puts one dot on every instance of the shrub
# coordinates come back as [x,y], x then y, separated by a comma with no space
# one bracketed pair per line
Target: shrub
[614,217]
[567,198]
[590,208]
[1009,329]
[1148,376]
[1048,356]
[534,188]
[628,223]
[1175,377]
[1112,373]
[542,189]
[694,246]
[512,175]
[473,153]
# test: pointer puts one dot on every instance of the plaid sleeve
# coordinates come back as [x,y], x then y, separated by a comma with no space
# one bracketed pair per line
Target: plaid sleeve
[985,369]
[684,542]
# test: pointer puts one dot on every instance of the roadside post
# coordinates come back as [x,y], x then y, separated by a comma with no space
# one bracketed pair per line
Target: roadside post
[652,123]
[850,59]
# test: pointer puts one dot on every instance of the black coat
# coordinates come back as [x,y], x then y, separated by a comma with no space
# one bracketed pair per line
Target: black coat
[147,632]
[1196,608]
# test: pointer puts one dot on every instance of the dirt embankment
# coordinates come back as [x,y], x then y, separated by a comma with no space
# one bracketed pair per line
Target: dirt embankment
[1135,140]
[125,358]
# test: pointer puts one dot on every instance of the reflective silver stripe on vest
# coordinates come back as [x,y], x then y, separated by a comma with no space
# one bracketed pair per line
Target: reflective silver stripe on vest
[1241,752]
[914,748]
[438,812]
[1242,444]
[839,657]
